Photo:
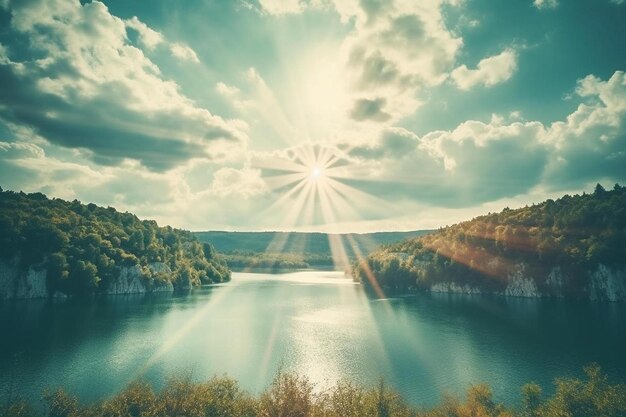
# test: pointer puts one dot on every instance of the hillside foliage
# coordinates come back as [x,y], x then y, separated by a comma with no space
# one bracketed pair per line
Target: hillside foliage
[276,251]
[276,261]
[306,244]
[574,233]
[83,247]
[291,395]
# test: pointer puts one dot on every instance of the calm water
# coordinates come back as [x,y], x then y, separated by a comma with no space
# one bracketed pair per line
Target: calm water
[316,323]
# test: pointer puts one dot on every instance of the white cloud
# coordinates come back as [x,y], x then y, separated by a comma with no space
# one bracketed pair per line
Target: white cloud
[92,89]
[281,7]
[18,150]
[478,161]
[601,119]
[89,89]
[234,96]
[26,166]
[471,164]
[546,4]
[397,50]
[184,52]
[244,183]
[490,71]
[4,56]
[227,90]
[148,37]
[591,143]
[436,177]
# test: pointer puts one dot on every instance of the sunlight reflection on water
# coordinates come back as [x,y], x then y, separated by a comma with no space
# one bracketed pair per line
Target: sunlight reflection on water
[320,324]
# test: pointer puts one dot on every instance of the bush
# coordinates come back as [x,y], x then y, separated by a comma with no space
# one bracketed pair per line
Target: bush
[291,395]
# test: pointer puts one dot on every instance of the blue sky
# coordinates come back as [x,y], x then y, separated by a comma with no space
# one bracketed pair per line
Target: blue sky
[342,115]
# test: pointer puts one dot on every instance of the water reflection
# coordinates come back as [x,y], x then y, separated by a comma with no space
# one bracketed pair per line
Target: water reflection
[316,323]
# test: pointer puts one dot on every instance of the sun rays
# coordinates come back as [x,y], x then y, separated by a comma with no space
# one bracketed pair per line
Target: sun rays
[308,181]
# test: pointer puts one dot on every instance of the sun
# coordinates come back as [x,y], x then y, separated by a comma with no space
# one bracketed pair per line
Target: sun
[316,173]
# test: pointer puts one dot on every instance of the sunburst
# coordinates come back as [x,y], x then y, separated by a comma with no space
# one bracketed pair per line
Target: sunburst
[309,181]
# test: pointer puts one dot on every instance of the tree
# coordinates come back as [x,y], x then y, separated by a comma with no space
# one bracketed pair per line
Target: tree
[85,276]
[531,400]
[599,190]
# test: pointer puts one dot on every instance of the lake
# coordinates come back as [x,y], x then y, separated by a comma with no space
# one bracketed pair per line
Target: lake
[317,323]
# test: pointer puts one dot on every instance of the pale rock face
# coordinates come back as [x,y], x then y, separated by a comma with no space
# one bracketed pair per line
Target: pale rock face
[32,284]
[554,281]
[607,284]
[520,285]
[8,278]
[159,268]
[129,281]
[453,287]
[16,284]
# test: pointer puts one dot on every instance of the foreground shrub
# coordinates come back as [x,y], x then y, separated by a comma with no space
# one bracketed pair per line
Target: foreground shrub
[291,395]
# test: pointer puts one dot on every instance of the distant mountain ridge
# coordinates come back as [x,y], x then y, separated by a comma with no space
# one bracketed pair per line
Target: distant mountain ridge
[311,243]
[571,247]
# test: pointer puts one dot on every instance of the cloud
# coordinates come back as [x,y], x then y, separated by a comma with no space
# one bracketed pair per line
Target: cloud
[28,167]
[281,7]
[148,37]
[227,90]
[489,72]
[16,150]
[590,144]
[4,56]
[87,113]
[477,162]
[366,109]
[397,50]
[184,52]
[474,163]
[393,142]
[244,183]
[234,96]
[87,87]
[546,4]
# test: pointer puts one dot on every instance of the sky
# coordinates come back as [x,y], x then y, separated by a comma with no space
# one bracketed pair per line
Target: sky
[317,115]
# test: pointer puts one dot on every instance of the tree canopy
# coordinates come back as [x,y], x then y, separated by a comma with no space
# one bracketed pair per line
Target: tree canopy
[84,246]
[574,233]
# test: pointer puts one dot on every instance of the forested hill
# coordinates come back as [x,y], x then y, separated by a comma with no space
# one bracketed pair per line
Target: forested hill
[297,250]
[52,246]
[574,246]
[300,242]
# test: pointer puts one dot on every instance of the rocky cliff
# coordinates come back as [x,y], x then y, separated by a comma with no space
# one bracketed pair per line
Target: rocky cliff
[32,283]
[16,283]
[131,280]
[606,284]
